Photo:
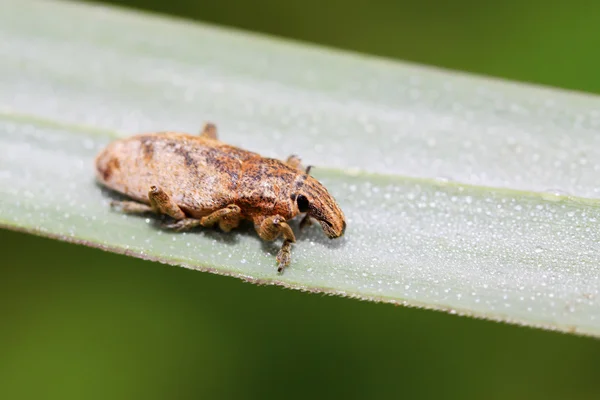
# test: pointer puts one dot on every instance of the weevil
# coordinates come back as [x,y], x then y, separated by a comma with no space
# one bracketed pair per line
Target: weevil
[197,180]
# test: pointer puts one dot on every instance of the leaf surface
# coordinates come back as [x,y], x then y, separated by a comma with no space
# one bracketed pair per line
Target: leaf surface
[462,193]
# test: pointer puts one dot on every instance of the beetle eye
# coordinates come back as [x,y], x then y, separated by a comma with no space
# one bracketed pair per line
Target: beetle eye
[302,203]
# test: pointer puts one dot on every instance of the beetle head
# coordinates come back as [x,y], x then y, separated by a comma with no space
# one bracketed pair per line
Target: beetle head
[312,198]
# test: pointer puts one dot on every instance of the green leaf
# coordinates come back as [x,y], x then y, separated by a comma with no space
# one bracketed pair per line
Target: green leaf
[461,193]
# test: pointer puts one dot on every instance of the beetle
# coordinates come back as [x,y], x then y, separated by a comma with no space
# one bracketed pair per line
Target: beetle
[197,180]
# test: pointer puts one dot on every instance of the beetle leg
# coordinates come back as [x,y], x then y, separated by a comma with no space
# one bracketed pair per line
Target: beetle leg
[295,162]
[284,257]
[269,229]
[162,203]
[306,221]
[209,131]
[183,224]
[131,207]
[227,218]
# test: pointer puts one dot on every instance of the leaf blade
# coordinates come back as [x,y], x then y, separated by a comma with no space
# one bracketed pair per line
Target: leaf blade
[478,247]
[472,256]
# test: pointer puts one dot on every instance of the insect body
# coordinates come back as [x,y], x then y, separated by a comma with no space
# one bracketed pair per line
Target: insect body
[201,181]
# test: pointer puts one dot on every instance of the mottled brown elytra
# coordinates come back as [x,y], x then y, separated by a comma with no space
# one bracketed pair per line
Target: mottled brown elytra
[199,180]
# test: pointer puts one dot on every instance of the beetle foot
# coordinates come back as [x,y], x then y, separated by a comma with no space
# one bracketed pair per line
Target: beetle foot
[183,224]
[228,218]
[209,131]
[131,207]
[284,257]
[294,161]
[306,221]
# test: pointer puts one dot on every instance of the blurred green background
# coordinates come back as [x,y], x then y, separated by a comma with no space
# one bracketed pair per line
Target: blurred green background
[83,324]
